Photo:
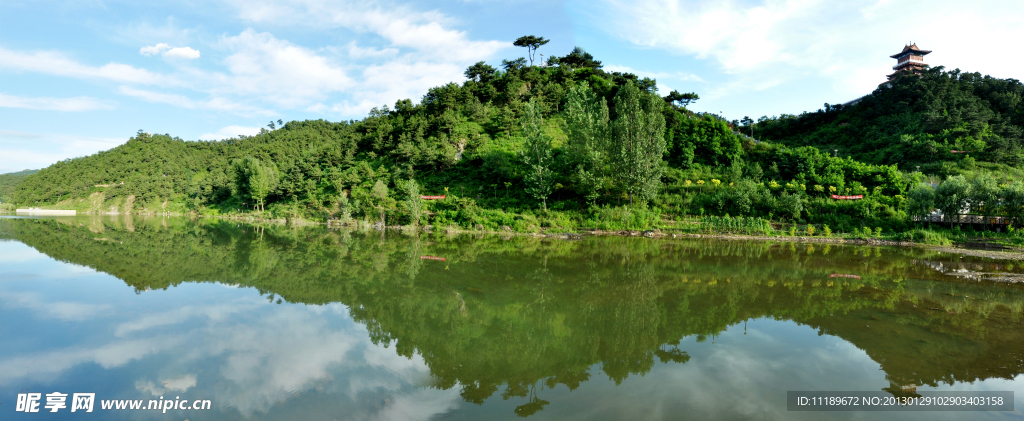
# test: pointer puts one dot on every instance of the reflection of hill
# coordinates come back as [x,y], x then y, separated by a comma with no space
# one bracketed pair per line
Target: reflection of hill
[512,312]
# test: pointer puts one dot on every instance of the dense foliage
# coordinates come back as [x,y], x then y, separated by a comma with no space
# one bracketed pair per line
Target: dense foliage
[9,181]
[562,146]
[942,121]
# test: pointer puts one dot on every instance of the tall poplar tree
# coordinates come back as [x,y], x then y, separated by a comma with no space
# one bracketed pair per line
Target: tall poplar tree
[586,149]
[638,141]
[536,154]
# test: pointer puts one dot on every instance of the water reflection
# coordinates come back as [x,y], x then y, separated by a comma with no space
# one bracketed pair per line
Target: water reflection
[408,326]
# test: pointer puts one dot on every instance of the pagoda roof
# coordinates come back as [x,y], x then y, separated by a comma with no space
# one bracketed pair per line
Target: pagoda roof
[911,48]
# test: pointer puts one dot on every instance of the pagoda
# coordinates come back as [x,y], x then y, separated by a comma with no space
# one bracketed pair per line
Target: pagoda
[910,61]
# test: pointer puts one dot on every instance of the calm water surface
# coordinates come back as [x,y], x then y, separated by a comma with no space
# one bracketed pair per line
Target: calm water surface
[287,323]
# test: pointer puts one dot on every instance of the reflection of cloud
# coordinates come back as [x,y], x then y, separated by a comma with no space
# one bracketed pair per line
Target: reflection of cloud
[177,316]
[262,355]
[54,363]
[63,310]
[177,384]
[420,404]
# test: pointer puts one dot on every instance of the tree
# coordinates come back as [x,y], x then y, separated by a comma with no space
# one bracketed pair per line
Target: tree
[531,43]
[513,65]
[577,58]
[1013,202]
[749,122]
[683,99]
[413,202]
[380,192]
[638,141]
[480,72]
[256,180]
[790,205]
[921,201]
[984,194]
[536,154]
[586,128]
[951,197]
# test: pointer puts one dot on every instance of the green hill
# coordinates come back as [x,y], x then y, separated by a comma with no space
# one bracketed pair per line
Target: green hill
[919,121]
[561,148]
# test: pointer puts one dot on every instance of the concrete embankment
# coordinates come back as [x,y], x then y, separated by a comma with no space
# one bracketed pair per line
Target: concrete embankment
[46,212]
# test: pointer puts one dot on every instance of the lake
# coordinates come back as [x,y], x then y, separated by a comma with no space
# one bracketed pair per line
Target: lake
[278,322]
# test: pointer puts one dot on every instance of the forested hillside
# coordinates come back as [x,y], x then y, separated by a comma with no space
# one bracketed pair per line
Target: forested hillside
[946,122]
[9,182]
[565,146]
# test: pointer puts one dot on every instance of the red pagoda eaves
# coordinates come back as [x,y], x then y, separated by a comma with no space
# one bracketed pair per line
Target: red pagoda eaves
[909,61]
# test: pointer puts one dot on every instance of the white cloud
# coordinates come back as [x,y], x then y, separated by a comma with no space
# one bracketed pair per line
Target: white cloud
[401,53]
[680,76]
[776,41]
[168,51]
[214,103]
[53,63]
[80,103]
[21,150]
[230,132]
[423,31]
[154,50]
[182,52]
[357,52]
[418,49]
[396,79]
[277,71]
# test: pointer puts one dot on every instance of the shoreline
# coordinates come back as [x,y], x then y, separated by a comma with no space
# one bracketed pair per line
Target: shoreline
[1004,254]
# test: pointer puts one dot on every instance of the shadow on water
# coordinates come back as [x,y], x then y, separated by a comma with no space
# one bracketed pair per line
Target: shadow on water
[519,314]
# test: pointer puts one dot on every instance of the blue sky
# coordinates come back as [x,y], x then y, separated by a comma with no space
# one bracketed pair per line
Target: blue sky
[78,77]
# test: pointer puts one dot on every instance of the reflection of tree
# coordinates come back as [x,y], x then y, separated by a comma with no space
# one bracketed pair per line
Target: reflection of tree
[514,313]
[674,355]
[533,405]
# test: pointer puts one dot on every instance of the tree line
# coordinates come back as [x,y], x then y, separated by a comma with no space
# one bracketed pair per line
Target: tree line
[560,146]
